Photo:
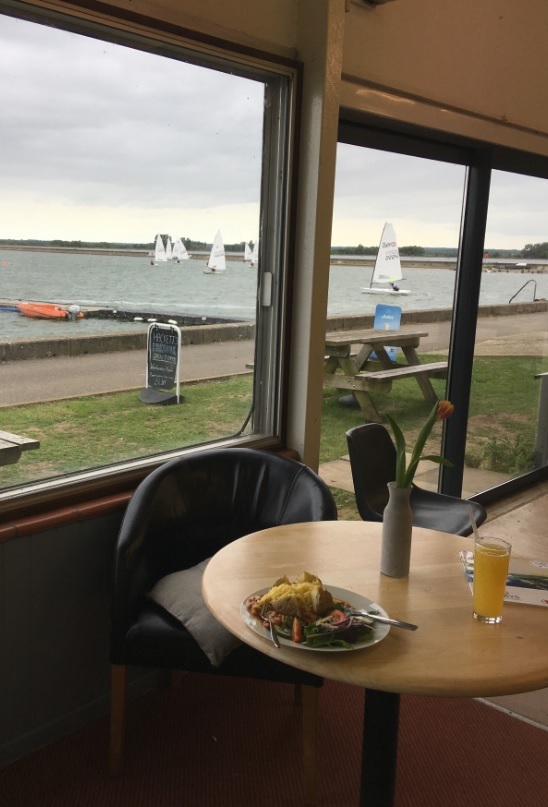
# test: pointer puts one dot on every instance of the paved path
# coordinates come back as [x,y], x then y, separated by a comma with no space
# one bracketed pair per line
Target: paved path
[36,380]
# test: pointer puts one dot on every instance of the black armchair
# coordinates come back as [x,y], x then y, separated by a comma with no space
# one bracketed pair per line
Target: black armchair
[373,464]
[180,515]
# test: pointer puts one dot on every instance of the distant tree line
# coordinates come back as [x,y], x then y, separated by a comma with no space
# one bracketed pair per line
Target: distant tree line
[361,250]
[202,246]
[77,244]
[535,251]
[529,251]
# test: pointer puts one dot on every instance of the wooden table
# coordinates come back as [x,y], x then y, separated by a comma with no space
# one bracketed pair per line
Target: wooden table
[353,371]
[451,654]
[11,446]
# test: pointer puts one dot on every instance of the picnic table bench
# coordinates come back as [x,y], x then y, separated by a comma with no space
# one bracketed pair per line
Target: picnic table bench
[12,445]
[354,371]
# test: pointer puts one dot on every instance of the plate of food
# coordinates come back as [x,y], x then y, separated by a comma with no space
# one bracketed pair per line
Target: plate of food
[306,614]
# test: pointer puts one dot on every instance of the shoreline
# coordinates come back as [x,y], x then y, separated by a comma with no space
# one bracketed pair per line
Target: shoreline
[72,346]
[533,266]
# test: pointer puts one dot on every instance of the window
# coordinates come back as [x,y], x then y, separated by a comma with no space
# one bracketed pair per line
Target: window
[507,428]
[497,436]
[114,144]
[422,199]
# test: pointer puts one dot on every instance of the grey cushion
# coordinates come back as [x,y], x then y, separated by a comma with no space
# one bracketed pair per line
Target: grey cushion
[180,593]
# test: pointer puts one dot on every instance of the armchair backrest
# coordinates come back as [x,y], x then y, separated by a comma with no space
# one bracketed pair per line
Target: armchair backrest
[373,465]
[190,507]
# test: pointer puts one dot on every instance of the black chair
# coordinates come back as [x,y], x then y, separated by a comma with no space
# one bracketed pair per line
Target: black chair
[373,464]
[180,515]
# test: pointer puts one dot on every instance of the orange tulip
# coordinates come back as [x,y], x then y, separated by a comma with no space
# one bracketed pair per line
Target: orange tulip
[405,473]
[445,410]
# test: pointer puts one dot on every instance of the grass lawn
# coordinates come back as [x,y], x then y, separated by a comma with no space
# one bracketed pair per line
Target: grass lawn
[100,430]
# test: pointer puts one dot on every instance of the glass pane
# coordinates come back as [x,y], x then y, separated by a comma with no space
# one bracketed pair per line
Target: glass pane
[422,199]
[107,152]
[508,424]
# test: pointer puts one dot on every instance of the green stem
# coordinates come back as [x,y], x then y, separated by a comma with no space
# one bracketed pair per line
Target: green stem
[419,445]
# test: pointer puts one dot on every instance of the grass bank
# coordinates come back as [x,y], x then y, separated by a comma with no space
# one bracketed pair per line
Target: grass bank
[97,431]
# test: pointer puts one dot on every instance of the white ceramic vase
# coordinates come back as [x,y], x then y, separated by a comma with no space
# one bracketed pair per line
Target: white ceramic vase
[397,526]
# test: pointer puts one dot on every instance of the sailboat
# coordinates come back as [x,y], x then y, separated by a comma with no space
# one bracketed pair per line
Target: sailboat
[254,254]
[217,261]
[247,253]
[169,249]
[179,251]
[159,251]
[387,266]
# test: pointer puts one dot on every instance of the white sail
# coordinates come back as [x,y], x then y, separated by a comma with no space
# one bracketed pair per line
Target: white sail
[255,254]
[387,265]
[179,251]
[169,249]
[247,253]
[217,261]
[159,250]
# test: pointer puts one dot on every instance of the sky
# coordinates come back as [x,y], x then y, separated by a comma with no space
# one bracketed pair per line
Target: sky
[105,143]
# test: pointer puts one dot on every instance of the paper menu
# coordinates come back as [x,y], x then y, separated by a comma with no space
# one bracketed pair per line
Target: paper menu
[527,581]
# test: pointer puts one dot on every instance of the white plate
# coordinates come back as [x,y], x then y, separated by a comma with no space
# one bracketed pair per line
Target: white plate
[378,633]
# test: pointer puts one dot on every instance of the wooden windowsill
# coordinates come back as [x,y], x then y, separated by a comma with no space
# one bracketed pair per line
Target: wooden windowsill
[82,506]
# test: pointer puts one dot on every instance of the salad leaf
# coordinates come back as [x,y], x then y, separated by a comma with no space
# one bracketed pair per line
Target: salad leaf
[327,633]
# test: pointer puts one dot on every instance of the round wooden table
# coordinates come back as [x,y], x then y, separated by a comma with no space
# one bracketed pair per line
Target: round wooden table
[451,654]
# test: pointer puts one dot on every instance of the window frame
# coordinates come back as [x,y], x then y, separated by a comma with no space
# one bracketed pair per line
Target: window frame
[480,159]
[282,78]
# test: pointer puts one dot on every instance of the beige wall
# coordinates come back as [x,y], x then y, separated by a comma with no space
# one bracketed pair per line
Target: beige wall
[475,68]
[269,25]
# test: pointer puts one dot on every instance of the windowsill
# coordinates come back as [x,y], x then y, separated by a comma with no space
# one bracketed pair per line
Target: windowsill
[56,505]
[19,528]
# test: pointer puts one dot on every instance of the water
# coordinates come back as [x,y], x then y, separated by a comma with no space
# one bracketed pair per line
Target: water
[131,283]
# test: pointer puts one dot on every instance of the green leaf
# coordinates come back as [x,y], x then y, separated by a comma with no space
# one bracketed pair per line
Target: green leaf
[400,453]
[438,459]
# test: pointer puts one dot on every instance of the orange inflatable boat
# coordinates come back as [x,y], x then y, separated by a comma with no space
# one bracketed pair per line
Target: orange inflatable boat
[48,311]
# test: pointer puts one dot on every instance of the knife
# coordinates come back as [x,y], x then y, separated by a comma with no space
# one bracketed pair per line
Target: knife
[385,620]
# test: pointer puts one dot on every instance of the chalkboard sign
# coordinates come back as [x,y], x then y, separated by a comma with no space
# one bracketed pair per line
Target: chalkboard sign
[163,356]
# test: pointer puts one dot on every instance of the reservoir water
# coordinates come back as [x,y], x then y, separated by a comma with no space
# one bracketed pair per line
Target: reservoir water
[131,283]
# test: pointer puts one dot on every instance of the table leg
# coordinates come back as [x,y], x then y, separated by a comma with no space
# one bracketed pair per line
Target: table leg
[331,364]
[370,411]
[383,357]
[380,748]
[423,381]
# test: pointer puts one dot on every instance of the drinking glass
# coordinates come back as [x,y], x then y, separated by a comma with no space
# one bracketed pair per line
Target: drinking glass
[491,560]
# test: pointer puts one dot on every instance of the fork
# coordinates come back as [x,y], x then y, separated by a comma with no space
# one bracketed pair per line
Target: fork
[273,634]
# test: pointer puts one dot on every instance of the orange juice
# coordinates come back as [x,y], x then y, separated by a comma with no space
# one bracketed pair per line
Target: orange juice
[491,559]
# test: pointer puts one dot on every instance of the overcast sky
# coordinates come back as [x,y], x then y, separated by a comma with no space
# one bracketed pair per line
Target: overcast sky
[102,142]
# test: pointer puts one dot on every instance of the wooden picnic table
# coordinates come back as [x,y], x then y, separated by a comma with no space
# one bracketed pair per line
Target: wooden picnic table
[12,445]
[355,371]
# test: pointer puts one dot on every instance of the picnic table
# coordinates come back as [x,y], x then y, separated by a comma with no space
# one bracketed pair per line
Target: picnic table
[356,371]
[12,445]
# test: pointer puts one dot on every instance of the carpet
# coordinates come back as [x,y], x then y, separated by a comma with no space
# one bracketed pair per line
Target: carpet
[226,742]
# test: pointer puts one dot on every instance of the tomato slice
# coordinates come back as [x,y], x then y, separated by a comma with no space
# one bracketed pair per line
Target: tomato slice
[297,630]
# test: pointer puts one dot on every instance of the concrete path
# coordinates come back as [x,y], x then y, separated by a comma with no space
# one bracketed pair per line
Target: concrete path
[36,380]
[338,474]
